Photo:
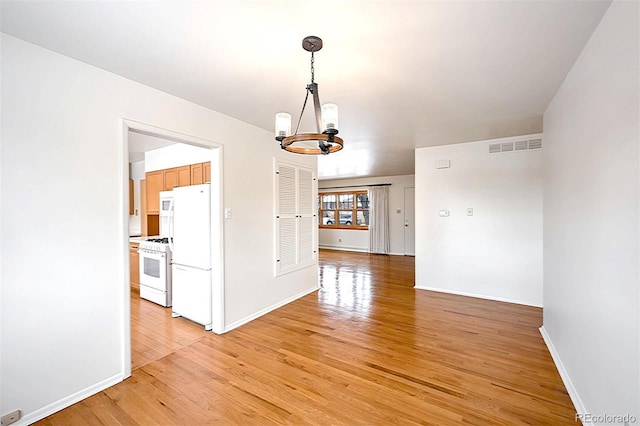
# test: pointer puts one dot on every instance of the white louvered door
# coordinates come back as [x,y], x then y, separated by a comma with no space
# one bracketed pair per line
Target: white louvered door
[306,217]
[295,218]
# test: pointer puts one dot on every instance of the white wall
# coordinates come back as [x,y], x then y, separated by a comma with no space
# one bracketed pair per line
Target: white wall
[591,213]
[64,280]
[174,156]
[359,240]
[497,252]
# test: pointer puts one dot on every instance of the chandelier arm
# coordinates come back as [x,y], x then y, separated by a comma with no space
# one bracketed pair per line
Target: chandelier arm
[316,107]
[304,105]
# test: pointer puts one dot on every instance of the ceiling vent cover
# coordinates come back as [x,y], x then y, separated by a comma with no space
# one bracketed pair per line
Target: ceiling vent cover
[524,145]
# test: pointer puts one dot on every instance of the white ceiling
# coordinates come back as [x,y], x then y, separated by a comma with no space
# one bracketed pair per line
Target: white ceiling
[139,143]
[405,74]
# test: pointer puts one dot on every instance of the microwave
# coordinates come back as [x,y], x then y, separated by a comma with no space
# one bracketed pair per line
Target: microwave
[166,207]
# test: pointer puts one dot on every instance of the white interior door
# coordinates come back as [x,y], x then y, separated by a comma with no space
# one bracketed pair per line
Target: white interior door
[409,221]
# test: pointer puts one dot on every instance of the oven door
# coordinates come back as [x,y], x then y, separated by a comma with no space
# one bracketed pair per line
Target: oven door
[153,269]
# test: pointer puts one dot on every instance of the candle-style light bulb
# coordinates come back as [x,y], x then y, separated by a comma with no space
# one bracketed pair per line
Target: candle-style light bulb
[283,124]
[329,117]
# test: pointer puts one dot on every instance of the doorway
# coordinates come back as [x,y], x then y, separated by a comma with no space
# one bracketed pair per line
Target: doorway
[212,153]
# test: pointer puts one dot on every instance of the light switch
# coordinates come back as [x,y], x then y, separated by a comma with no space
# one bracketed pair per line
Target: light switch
[227,213]
[443,164]
[444,213]
[398,211]
[469,211]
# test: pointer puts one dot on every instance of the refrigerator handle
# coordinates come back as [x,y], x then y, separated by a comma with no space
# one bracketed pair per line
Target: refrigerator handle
[171,206]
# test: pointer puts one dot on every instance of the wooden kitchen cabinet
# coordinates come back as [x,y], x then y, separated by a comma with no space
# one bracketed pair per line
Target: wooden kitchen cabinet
[206,168]
[170,177]
[176,176]
[154,184]
[134,265]
[184,176]
[197,174]
[131,206]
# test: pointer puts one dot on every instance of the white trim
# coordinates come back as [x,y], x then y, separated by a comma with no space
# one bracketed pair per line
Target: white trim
[342,248]
[359,250]
[65,402]
[268,309]
[478,296]
[125,312]
[564,375]
[217,234]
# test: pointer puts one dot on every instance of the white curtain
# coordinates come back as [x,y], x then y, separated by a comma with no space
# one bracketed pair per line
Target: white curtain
[379,220]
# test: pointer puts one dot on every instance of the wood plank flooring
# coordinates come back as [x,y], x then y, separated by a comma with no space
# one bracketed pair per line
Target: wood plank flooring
[365,349]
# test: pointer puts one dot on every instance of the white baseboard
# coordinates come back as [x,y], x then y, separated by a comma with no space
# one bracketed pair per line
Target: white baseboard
[359,250]
[479,296]
[273,307]
[564,375]
[54,407]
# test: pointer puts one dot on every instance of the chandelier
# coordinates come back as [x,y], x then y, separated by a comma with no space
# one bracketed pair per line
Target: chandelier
[326,118]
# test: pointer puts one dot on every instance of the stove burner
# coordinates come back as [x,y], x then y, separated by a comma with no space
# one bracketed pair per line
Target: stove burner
[159,240]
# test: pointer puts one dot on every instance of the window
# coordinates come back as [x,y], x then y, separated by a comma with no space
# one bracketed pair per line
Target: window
[295,220]
[344,210]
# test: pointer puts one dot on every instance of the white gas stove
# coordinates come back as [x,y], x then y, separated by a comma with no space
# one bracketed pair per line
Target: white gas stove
[155,270]
[155,244]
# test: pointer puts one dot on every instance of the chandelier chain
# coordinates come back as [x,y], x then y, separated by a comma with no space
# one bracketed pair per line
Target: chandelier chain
[312,69]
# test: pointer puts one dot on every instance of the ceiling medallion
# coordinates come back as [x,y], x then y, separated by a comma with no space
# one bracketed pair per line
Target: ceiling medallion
[326,118]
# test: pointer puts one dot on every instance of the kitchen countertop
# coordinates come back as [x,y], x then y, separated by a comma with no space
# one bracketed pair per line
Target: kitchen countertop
[139,239]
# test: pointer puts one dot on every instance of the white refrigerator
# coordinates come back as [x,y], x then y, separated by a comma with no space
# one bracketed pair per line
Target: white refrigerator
[190,242]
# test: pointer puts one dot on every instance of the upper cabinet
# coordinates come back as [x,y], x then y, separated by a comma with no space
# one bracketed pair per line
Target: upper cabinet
[155,184]
[197,174]
[131,205]
[177,176]
[207,171]
[167,179]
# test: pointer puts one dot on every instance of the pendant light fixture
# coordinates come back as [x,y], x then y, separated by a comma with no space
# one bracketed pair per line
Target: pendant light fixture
[326,118]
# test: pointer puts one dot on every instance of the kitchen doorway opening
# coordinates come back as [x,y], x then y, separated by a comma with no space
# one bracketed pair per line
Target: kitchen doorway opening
[161,147]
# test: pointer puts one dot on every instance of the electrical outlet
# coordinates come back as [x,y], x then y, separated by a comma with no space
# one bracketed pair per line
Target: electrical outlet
[10,418]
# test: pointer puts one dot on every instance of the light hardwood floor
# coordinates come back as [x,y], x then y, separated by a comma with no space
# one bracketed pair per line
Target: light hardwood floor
[365,349]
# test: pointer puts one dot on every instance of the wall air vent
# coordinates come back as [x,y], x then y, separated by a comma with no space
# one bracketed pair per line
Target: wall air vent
[507,146]
[535,144]
[523,145]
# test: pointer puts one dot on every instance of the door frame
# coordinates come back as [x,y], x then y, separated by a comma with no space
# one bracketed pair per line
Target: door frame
[404,248]
[217,227]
